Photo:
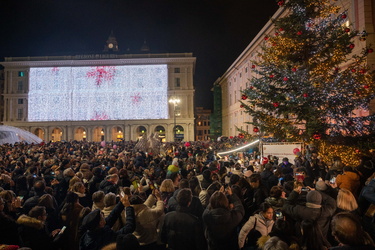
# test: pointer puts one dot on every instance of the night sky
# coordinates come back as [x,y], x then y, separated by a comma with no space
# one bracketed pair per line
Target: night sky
[216,31]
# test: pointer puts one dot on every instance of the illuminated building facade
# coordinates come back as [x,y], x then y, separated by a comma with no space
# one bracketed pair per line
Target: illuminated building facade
[100,97]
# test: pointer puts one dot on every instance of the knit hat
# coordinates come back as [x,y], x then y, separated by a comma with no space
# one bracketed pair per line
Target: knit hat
[91,221]
[313,199]
[320,185]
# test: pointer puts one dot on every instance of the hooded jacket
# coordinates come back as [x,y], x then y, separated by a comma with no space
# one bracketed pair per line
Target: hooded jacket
[221,225]
[32,233]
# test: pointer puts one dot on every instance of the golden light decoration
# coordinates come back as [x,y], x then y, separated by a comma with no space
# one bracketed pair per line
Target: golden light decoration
[348,154]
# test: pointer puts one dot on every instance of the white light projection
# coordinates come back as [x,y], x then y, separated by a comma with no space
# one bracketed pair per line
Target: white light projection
[98,93]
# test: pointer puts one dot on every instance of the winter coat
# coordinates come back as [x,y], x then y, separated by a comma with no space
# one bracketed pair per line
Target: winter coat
[8,230]
[147,220]
[221,225]
[32,233]
[84,200]
[321,215]
[108,187]
[195,206]
[98,238]
[269,179]
[120,222]
[260,194]
[177,230]
[72,221]
[277,204]
[350,181]
[262,225]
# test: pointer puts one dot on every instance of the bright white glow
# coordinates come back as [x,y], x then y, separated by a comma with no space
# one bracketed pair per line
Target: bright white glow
[238,149]
[98,93]
[175,101]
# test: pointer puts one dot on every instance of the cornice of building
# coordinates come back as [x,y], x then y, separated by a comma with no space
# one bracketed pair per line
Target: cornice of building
[99,59]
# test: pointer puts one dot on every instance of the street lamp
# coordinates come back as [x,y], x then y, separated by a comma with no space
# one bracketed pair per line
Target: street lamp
[174,101]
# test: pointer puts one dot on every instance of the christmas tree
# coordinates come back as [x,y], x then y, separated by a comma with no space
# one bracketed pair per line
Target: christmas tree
[308,82]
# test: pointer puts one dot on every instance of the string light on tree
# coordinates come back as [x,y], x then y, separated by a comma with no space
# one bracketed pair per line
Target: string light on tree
[328,76]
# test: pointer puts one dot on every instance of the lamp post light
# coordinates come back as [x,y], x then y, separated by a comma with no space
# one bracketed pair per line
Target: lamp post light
[174,101]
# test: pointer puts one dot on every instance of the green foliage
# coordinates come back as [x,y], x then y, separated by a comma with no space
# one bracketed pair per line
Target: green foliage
[307,79]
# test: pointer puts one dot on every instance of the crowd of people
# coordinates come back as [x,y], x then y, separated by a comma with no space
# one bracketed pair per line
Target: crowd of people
[86,195]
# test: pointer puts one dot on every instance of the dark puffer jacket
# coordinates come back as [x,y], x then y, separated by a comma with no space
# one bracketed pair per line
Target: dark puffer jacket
[178,230]
[221,225]
[321,215]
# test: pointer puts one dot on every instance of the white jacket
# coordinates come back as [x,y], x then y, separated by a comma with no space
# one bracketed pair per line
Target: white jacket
[263,226]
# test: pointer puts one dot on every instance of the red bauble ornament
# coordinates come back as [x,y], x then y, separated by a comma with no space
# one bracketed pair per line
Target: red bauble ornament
[280,3]
[370,50]
[281,29]
[256,129]
[271,76]
[294,69]
[351,46]
[299,33]
[276,34]
[317,136]
[337,69]
[253,66]
[305,95]
[343,16]
[241,106]
[274,44]
[366,86]
[350,123]
[347,30]
[241,136]
[230,137]
[275,104]
[285,79]
[251,87]
[353,70]
[362,71]
[244,97]
[266,38]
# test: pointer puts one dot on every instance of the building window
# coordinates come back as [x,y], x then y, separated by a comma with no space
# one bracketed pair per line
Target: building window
[20,86]
[19,114]
[240,75]
[20,101]
[246,69]
[177,82]
[204,123]
[176,70]
[199,123]
[21,73]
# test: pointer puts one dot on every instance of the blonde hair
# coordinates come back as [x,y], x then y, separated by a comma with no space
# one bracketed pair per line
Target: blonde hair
[76,187]
[297,184]
[346,200]
[73,181]
[167,186]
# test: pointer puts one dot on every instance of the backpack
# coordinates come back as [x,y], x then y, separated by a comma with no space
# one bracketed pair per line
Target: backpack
[203,196]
